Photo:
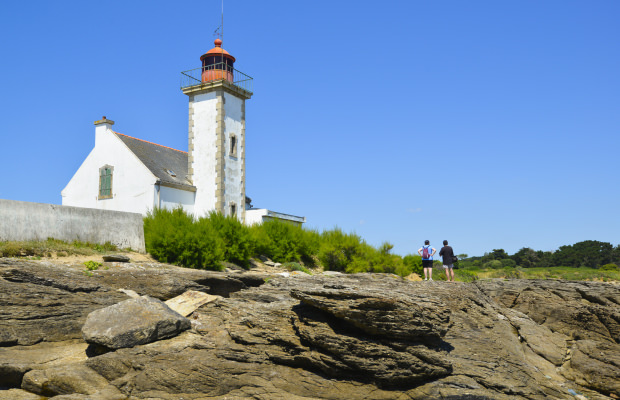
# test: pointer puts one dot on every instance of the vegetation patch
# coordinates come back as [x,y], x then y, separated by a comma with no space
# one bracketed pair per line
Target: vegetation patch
[293,266]
[50,247]
[92,265]
[175,237]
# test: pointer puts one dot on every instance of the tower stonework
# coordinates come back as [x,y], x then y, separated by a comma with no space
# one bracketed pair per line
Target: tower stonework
[216,148]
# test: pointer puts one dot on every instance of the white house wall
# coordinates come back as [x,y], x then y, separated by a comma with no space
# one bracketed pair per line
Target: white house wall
[129,177]
[204,113]
[171,198]
[260,215]
[255,216]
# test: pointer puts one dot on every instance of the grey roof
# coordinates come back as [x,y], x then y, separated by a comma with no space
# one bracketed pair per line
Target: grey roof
[167,164]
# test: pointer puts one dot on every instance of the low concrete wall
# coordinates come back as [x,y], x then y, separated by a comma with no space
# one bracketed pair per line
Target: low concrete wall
[20,220]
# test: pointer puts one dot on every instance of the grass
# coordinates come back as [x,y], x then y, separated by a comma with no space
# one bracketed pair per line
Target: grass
[33,250]
[566,273]
[293,266]
[53,247]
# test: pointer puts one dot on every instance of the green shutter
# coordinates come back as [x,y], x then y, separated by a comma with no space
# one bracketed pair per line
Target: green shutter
[105,182]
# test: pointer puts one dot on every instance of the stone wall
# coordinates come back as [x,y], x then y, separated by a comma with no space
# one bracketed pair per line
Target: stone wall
[21,220]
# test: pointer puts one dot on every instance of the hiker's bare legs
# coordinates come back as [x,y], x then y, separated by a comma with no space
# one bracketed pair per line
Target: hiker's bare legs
[449,271]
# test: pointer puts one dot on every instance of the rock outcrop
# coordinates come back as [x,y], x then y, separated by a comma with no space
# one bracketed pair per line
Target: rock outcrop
[269,336]
[133,322]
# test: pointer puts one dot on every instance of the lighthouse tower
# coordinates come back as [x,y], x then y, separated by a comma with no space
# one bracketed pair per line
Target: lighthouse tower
[216,152]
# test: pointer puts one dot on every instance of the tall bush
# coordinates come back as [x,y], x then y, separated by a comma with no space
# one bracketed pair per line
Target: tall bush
[338,249]
[285,242]
[164,233]
[381,260]
[413,264]
[172,236]
[494,264]
[237,244]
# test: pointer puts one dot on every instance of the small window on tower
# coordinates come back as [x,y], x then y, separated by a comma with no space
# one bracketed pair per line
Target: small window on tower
[233,210]
[105,182]
[233,145]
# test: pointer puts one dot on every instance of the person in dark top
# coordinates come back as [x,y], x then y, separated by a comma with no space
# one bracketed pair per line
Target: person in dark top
[447,254]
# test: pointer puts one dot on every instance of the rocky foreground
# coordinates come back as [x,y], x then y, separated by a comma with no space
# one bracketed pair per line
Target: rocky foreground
[269,336]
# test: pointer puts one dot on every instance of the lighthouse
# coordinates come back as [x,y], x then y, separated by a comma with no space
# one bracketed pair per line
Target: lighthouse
[125,173]
[216,141]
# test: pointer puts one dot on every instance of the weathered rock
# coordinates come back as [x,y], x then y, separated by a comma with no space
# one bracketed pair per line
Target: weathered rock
[189,301]
[41,302]
[364,336]
[133,322]
[18,394]
[390,315]
[16,361]
[116,258]
[66,379]
[586,314]
[595,365]
[129,293]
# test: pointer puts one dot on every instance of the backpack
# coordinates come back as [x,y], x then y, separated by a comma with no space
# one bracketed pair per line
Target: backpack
[426,253]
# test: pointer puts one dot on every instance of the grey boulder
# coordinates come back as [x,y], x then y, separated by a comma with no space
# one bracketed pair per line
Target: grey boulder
[115,258]
[133,322]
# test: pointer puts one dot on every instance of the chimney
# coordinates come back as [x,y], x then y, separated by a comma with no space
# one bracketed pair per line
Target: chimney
[101,128]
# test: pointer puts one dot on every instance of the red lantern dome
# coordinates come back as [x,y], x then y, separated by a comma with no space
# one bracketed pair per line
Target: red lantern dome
[217,64]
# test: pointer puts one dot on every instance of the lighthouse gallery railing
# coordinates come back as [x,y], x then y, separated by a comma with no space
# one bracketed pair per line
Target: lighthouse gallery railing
[196,76]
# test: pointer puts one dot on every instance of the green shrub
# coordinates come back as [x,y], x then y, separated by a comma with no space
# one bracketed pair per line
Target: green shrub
[610,267]
[234,236]
[439,272]
[508,273]
[285,242]
[164,233]
[10,249]
[86,246]
[338,249]
[294,266]
[413,264]
[172,236]
[107,246]
[203,248]
[92,265]
[508,263]
[493,264]
[465,275]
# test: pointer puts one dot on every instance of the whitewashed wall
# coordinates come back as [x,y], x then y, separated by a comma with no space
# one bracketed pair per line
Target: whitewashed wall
[204,150]
[234,165]
[260,215]
[171,198]
[255,216]
[20,220]
[132,182]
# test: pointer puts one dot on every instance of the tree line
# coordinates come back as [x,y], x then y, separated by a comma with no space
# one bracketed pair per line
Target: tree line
[588,253]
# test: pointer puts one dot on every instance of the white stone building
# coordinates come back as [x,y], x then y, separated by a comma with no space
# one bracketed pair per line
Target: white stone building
[124,173]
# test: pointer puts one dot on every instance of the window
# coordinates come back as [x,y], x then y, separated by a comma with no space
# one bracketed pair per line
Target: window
[105,182]
[233,210]
[170,172]
[233,145]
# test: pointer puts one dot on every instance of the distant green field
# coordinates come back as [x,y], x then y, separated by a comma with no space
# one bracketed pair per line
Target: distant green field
[567,273]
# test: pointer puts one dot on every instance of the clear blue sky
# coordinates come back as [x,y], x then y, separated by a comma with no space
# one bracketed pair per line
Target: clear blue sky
[493,124]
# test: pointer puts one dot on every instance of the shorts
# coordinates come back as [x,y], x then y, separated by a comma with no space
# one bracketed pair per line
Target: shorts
[449,266]
[427,263]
